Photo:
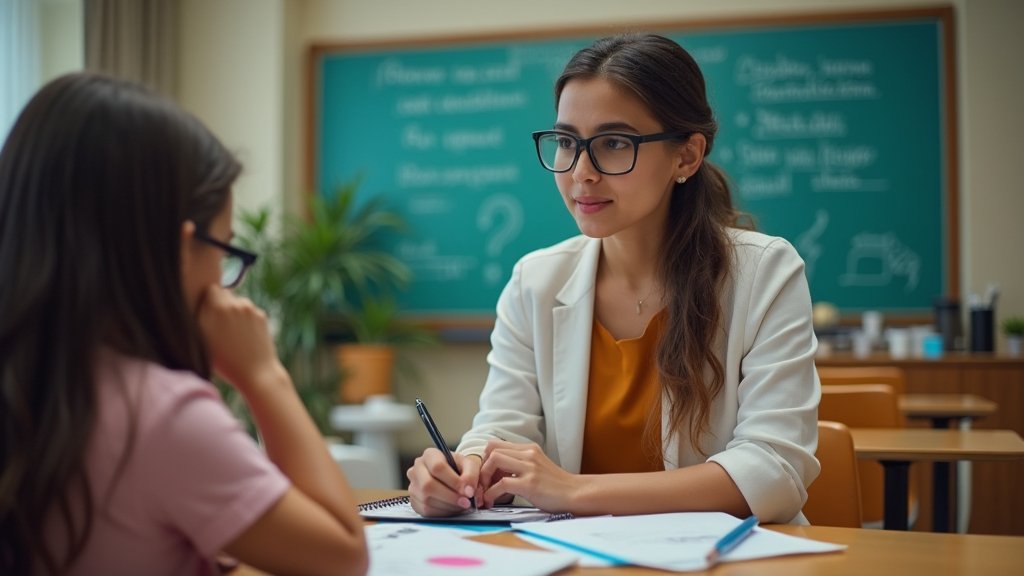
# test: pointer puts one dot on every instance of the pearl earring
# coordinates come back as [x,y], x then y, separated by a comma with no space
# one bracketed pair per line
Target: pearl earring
[681,179]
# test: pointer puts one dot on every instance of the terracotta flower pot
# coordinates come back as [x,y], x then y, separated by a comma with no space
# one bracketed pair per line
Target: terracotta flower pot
[366,371]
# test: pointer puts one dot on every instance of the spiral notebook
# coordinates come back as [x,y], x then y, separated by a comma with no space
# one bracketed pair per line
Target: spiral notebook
[400,509]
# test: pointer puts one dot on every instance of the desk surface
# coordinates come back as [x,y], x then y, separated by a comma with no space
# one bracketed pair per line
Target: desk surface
[946,406]
[913,444]
[874,552]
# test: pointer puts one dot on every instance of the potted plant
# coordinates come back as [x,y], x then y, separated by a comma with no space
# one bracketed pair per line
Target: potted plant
[316,271]
[1013,327]
[372,329]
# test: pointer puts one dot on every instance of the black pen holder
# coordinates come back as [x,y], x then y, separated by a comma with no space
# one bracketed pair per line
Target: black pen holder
[948,324]
[982,330]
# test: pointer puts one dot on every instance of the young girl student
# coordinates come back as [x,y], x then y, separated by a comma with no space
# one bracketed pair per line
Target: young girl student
[117,456]
[663,360]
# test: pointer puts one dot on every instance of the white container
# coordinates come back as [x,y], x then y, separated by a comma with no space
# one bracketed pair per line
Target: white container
[861,344]
[899,342]
[917,338]
[1013,346]
[871,324]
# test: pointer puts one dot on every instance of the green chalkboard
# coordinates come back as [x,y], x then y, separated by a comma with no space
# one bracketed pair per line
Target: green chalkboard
[836,131]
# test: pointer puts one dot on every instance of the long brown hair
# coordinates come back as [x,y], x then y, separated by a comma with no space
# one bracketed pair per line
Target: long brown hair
[696,258]
[96,179]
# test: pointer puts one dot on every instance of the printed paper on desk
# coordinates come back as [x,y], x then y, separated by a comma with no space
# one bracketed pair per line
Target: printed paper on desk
[678,541]
[428,550]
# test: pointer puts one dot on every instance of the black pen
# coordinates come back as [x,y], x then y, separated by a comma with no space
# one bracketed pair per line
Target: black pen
[435,435]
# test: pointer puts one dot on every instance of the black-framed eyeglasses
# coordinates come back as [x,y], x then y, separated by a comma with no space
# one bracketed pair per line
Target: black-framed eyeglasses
[611,153]
[235,262]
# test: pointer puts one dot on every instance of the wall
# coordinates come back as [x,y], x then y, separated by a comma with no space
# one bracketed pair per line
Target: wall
[238,56]
[231,76]
[60,25]
[992,202]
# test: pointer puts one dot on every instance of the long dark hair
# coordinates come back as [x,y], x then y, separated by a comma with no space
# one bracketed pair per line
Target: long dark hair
[96,179]
[696,257]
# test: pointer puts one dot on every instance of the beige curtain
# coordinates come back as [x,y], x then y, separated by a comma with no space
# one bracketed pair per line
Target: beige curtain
[134,39]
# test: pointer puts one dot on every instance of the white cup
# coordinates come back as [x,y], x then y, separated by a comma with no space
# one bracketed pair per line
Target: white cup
[871,323]
[861,344]
[917,337]
[899,342]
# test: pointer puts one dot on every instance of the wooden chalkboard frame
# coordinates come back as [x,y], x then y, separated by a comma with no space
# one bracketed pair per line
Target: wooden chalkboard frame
[475,327]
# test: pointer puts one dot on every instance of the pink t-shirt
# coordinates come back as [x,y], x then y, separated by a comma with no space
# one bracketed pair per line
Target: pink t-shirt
[193,482]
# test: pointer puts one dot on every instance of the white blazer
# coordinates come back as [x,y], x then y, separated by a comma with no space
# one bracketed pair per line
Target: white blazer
[763,423]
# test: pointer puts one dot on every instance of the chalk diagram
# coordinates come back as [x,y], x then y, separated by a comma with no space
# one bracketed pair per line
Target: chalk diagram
[876,259]
[807,242]
[500,215]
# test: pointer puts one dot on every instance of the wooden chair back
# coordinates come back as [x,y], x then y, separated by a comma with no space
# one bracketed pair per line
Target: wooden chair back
[866,406]
[833,499]
[890,375]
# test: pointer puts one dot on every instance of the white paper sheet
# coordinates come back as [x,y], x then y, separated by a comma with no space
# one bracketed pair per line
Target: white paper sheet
[426,550]
[678,542]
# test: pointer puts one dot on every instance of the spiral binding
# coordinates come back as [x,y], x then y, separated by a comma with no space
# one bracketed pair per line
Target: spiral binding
[386,503]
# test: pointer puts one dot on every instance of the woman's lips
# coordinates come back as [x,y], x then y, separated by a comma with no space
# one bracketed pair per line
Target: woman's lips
[588,205]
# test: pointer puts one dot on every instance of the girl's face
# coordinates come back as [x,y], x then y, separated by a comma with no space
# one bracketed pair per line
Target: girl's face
[201,261]
[604,205]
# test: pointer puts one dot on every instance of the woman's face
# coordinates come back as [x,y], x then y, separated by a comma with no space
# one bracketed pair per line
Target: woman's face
[201,261]
[604,205]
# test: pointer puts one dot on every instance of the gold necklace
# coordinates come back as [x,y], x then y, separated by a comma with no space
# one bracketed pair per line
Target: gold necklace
[640,301]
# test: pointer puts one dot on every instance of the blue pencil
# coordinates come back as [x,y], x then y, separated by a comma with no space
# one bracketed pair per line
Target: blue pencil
[732,539]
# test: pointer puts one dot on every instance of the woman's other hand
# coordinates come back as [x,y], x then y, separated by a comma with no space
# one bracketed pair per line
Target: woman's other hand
[525,470]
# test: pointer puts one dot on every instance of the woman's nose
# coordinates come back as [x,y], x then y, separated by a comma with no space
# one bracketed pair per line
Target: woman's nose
[585,171]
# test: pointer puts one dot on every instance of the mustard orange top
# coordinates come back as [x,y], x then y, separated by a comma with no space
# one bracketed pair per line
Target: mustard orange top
[623,390]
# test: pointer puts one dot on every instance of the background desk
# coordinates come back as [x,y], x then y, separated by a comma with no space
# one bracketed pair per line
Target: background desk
[896,448]
[997,499]
[941,410]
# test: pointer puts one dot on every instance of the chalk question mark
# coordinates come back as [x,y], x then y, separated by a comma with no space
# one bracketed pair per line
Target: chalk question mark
[510,213]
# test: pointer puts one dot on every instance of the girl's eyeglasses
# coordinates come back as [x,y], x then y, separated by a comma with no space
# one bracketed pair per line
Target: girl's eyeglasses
[235,262]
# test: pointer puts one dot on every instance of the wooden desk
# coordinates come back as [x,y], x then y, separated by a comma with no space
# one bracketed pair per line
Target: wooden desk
[997,502]
[896,448]
[875,552]
[941,410]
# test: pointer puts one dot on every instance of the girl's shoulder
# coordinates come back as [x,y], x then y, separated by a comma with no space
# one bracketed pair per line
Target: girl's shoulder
[147,392]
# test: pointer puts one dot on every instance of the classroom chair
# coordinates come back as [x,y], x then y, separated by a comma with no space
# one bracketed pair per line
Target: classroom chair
[890,375]
[833,499]
[867,406]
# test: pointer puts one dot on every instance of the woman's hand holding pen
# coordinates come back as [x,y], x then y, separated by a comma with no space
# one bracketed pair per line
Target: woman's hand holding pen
[436,490]
[524,470]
